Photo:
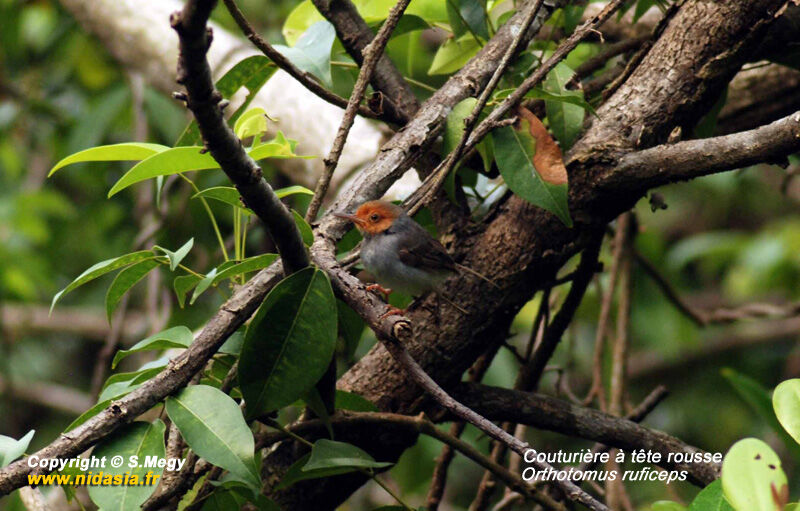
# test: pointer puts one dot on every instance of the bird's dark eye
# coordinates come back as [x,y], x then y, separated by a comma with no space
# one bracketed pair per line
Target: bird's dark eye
[374,217]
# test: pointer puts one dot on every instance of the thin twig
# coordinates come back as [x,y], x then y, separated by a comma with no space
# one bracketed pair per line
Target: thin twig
[305,78]
[439,476]
[615,491]
[372,53]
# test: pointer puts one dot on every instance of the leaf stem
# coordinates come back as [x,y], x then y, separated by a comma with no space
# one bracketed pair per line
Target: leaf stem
[210,215]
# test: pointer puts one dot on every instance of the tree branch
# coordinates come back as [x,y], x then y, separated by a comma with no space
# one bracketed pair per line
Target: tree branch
[226,148]
[551,414]
[669,163]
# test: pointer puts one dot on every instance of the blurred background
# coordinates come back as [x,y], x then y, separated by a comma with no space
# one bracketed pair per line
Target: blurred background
[722,241]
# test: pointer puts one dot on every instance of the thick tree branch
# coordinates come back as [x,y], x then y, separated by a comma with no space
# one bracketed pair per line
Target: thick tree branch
[670,163]
[226,148]
[545,412]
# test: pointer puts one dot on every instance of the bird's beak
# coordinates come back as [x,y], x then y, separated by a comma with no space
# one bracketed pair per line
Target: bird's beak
[346,216]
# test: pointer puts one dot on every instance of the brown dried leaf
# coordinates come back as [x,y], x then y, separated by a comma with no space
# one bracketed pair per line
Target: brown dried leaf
[548,159]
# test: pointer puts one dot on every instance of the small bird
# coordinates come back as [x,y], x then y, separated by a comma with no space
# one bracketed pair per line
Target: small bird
[399,252]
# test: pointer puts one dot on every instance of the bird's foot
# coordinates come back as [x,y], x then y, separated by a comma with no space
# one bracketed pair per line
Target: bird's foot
[382,290]
[391,310]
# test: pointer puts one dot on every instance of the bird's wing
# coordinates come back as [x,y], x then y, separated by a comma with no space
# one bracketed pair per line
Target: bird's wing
[426,253]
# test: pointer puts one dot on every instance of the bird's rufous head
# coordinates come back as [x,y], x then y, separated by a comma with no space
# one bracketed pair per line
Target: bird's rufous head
[374,217]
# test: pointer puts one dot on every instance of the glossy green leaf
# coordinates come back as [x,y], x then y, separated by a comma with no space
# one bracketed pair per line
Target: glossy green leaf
[251,73]
[248,265]
[331,454]
[312,51]
[295,473]
[165,163]
[251,123]
[125,280]
[175,337]
[514,150]
[204,284]
[751,473]
[119,384]
[292,190]
[289,342]
[100,269]
[453,54]
[11,449]
[314,401]
[213,427]
[227,194]
[115,152]
[140,439]
[786,403]
[88,414]
[566,119]
[279,147]
[176,257]
[305,230]
[711,499]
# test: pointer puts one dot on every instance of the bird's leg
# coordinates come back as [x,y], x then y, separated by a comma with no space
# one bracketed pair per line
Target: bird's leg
[382,290]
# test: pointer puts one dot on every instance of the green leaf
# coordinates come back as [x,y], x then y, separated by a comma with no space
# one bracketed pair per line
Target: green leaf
[125,280]
[140,439]
[204,284]
[331,454]
[248,265]
[751,472]
[642,7]
[292,190]
[251,73]
[467,17]
[123,383]
[251,123]
[183,285]
[514,152]
[351,327]
[175,337]
[305,230]
[453,54]
[115,152]
[176,257]
[295,473]
[711,499]
[11,449]
[354,402]
[279,147]
[786,402]
[313,400]
[213,427]
[289,342]
[758,398]
[566,120]
[88,414]
[100,269]
[165,163]
[312,52]
[666,505]
[454,130]
[227,194]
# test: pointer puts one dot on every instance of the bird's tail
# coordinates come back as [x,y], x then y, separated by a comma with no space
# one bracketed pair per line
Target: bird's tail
[473,272]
